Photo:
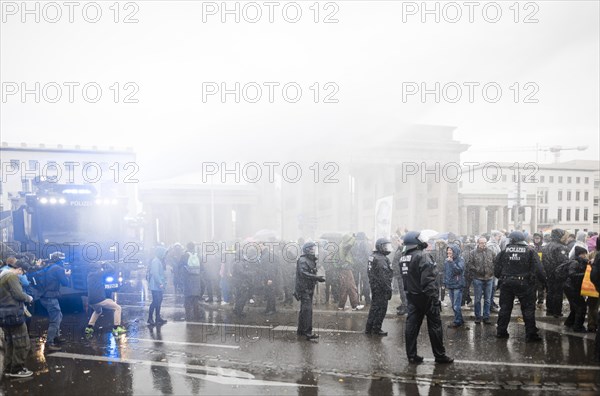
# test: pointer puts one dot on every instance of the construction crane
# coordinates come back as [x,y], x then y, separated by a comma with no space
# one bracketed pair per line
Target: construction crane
[556,150]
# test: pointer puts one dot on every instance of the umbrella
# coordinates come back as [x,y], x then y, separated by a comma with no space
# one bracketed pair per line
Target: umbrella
[443,235]
[426,235]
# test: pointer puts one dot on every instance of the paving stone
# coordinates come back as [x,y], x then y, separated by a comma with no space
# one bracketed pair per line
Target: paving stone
[585,385]
[567,385]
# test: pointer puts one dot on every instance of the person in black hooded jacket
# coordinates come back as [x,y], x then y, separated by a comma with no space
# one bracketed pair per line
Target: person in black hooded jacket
[554,254]
[572,289]
[595,278]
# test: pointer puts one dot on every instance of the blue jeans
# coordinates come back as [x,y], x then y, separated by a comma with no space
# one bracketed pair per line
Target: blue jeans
[54,317]
[225,289]
[456,299]
[485,287]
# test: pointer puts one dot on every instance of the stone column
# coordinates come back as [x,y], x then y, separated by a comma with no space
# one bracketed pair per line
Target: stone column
[501,217]
[463,220]
[492,214]
[469,220]
[532,221]
[482,220]
[511,219]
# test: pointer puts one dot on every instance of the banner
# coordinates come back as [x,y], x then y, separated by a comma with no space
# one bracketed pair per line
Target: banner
[383,217]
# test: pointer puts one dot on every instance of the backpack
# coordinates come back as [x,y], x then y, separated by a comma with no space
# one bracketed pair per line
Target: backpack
[193,260]
[38,281]
[561,273]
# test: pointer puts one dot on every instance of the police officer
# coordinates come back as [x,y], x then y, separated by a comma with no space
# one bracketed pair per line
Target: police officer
[380,273]
[517,267]
[306,279]
[419,275]
[554,254]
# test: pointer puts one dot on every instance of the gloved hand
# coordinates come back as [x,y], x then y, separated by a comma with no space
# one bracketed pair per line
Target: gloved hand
[321,278]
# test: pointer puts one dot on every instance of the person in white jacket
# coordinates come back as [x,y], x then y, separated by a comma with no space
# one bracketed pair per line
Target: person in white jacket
[579,241]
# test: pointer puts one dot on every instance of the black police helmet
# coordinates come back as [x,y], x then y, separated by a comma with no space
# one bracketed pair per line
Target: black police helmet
[516,236]
[380,245]
[411,240]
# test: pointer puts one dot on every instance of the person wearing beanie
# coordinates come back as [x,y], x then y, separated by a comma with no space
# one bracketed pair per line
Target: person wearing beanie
[554,253]
[579,250]
[572,288]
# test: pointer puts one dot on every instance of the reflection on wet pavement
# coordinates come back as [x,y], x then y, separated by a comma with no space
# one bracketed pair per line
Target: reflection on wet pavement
[216,353]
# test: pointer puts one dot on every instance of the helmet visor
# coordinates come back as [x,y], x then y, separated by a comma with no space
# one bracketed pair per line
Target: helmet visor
[387,247]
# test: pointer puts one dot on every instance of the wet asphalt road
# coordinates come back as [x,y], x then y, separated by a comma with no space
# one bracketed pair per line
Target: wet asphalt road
[217,353]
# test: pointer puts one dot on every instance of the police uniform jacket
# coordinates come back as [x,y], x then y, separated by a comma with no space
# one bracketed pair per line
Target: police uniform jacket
[306,274]
[379,270]
[419,273]
[518,262]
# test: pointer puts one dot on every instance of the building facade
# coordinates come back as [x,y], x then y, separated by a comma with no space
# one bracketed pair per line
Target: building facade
[378,186]
[561,195]
[383,186]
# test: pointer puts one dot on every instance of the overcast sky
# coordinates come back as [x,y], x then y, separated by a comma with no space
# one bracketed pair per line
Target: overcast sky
[368,55]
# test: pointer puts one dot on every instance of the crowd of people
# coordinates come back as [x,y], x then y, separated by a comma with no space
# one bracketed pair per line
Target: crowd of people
[25,279]
[489,272]
[534,270]
[465,267]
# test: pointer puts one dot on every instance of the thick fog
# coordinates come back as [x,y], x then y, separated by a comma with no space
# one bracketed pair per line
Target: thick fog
[341,84]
